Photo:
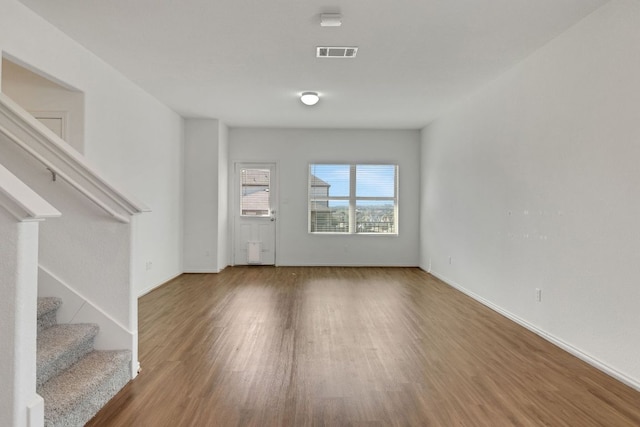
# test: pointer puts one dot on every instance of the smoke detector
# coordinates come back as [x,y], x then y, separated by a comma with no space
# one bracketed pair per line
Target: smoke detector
[336,51]
[330,20]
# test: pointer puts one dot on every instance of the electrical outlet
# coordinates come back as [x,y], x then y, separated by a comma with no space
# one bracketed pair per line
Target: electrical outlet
[538,294]
[148,265]
[450,260]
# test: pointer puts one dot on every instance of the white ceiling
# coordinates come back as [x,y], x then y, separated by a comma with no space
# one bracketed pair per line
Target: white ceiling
[246,61]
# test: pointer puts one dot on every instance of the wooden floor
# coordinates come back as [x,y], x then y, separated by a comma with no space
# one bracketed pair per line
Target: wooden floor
[265,346]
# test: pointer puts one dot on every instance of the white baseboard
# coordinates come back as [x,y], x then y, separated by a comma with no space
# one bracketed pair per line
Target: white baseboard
[201,270]
[598,364]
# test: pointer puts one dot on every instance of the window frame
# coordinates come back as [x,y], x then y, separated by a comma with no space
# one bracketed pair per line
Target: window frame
[352,199]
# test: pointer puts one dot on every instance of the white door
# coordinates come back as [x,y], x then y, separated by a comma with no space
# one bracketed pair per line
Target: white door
[255,214]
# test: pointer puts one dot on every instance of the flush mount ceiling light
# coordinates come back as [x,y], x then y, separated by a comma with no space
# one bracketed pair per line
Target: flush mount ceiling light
[309,98]
[330,19]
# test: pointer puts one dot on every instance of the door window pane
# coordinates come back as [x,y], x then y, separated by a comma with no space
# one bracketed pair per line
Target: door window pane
[254,192]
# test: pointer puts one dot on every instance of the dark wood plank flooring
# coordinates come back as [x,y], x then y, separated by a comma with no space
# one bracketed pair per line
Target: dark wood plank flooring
[266,346]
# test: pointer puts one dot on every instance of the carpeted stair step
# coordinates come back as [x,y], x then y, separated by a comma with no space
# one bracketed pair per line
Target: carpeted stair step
[60,346]
[47,311]
[75,396]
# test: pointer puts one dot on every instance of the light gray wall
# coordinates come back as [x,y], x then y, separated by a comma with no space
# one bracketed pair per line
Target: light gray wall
[85,248]
[202,195]
[533,182]
[133,139]
[37,94]
[224,247]
[294,150]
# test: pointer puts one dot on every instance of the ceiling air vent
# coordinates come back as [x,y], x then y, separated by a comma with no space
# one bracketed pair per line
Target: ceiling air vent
[336,52]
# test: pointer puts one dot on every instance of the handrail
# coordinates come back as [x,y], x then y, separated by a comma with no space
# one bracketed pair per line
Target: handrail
[62,160]
[21,201]
[65,177]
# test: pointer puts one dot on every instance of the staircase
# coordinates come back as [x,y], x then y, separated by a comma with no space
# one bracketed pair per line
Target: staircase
[74,380]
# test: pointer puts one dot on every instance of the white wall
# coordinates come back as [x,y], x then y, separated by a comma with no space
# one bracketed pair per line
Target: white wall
[86,248]
[294,150]
[37,94]
[224,248]
[205,196]
[131,137]
[533,182]
[201,196]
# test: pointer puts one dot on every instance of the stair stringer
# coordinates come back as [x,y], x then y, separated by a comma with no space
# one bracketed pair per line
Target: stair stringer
[78,309]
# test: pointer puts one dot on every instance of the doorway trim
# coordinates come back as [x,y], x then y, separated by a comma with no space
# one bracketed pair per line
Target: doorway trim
[63,116]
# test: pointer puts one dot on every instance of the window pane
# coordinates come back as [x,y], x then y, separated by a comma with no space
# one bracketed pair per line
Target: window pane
[254,197]
[329,181]
[375,180]
[373,216]
[353,199]
[330,216]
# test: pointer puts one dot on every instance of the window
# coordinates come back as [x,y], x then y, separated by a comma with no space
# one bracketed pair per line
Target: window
[353,199]
[254,187]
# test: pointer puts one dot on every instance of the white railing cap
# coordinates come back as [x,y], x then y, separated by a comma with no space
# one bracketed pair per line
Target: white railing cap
[21,201]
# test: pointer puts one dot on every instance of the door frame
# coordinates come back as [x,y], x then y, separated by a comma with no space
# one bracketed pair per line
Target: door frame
[63,116]
[235,202]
